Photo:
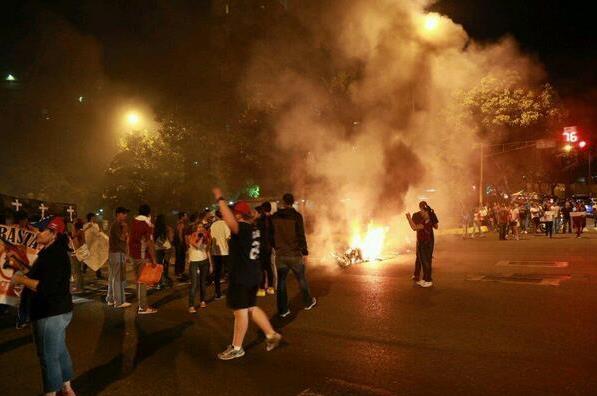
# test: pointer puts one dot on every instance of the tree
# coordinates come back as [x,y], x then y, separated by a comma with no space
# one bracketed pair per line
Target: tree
[175,166]
[146,169]
[505,108]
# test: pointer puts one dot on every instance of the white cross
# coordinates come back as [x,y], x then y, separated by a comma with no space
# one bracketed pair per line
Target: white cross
[43,209]
[17,204]
[70,211]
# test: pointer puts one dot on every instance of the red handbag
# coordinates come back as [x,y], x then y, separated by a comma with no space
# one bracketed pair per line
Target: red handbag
[151,274]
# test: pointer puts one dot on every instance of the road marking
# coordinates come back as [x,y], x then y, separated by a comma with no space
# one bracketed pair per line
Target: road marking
[533,263]
[529,279]
[336,386]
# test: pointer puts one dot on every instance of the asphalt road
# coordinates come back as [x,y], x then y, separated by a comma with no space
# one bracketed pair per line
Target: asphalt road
[510,317]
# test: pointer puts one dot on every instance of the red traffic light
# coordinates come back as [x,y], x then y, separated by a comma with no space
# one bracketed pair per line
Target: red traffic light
[582,144]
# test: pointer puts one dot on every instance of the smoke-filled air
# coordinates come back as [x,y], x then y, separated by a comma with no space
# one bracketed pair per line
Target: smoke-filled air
[365,112]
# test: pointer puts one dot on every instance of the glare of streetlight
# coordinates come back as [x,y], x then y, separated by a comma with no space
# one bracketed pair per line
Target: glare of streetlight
[133,118]
[567,148]
[431,21]
[10,77]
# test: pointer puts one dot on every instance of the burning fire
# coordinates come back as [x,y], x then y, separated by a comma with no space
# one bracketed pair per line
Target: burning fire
[370,243]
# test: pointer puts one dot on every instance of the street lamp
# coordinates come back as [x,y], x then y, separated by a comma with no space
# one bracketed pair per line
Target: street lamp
[133,118]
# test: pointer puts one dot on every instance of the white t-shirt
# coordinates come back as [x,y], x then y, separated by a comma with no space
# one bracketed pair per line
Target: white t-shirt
[548,215]
[198,254]
[220,234]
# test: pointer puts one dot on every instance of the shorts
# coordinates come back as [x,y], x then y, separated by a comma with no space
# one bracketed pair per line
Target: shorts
[241,297]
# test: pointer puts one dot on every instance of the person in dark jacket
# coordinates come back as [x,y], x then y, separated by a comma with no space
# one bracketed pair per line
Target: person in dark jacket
[264,223]
[290,245]
[48,284]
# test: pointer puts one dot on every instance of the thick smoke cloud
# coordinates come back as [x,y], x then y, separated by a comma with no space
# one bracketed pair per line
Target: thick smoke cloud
[363,92]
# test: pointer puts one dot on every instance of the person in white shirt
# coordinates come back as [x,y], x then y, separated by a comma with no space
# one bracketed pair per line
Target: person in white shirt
[198,243]
[515,221]
[548,217]
[220,235]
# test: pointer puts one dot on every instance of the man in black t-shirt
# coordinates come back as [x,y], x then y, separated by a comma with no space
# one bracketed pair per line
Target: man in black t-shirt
[245,274]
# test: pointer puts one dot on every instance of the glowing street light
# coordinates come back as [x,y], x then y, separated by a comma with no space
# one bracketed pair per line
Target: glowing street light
[431,22]
[133,118]
[568,148]
[10,77]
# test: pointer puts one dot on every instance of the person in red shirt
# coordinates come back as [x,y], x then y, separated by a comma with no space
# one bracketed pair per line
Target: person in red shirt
[503,218]
[142,250]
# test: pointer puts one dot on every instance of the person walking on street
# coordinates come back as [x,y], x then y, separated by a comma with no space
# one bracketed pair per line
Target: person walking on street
[535,211]
[503,219]
[220,235]
[579,218]
[264,223]
[199,264]
[117,260]
[477,221]
[548,217]
[48,283]
[566,217]
[180,245]
[290,245]
[515,221]
[142,251]
[245,275]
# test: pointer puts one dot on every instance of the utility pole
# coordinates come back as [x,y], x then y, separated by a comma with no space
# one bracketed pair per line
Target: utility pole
[590,179]
[482,160]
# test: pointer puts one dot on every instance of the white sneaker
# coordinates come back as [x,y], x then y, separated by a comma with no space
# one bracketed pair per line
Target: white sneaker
[312,305]
[421,282]
[426,284]
[124,305]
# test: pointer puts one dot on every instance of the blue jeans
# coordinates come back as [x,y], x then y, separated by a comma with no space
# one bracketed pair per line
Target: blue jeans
[117,279]
[296,265]
[50,340]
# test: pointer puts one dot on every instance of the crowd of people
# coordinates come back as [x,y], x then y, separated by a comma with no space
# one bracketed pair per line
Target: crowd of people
[254,250]
[514,219]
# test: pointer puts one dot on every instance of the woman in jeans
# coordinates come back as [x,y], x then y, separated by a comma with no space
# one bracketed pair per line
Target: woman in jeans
[199,264]
[48,283]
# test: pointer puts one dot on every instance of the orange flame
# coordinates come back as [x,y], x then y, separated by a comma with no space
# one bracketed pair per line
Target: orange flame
[370,243]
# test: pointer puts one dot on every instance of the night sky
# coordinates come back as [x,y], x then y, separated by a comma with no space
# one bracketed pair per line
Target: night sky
[142,49]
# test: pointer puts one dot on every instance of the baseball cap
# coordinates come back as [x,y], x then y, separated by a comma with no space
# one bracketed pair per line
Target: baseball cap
[54,223]
[122,209]
[243,208]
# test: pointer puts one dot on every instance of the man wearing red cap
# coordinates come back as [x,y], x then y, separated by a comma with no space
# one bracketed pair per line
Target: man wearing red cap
[48,286]
[245,275]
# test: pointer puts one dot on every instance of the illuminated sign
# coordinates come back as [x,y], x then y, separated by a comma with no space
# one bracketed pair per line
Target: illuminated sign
[570,134]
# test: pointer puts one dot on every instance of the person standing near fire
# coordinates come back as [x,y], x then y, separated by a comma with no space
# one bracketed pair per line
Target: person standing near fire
[423,222]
